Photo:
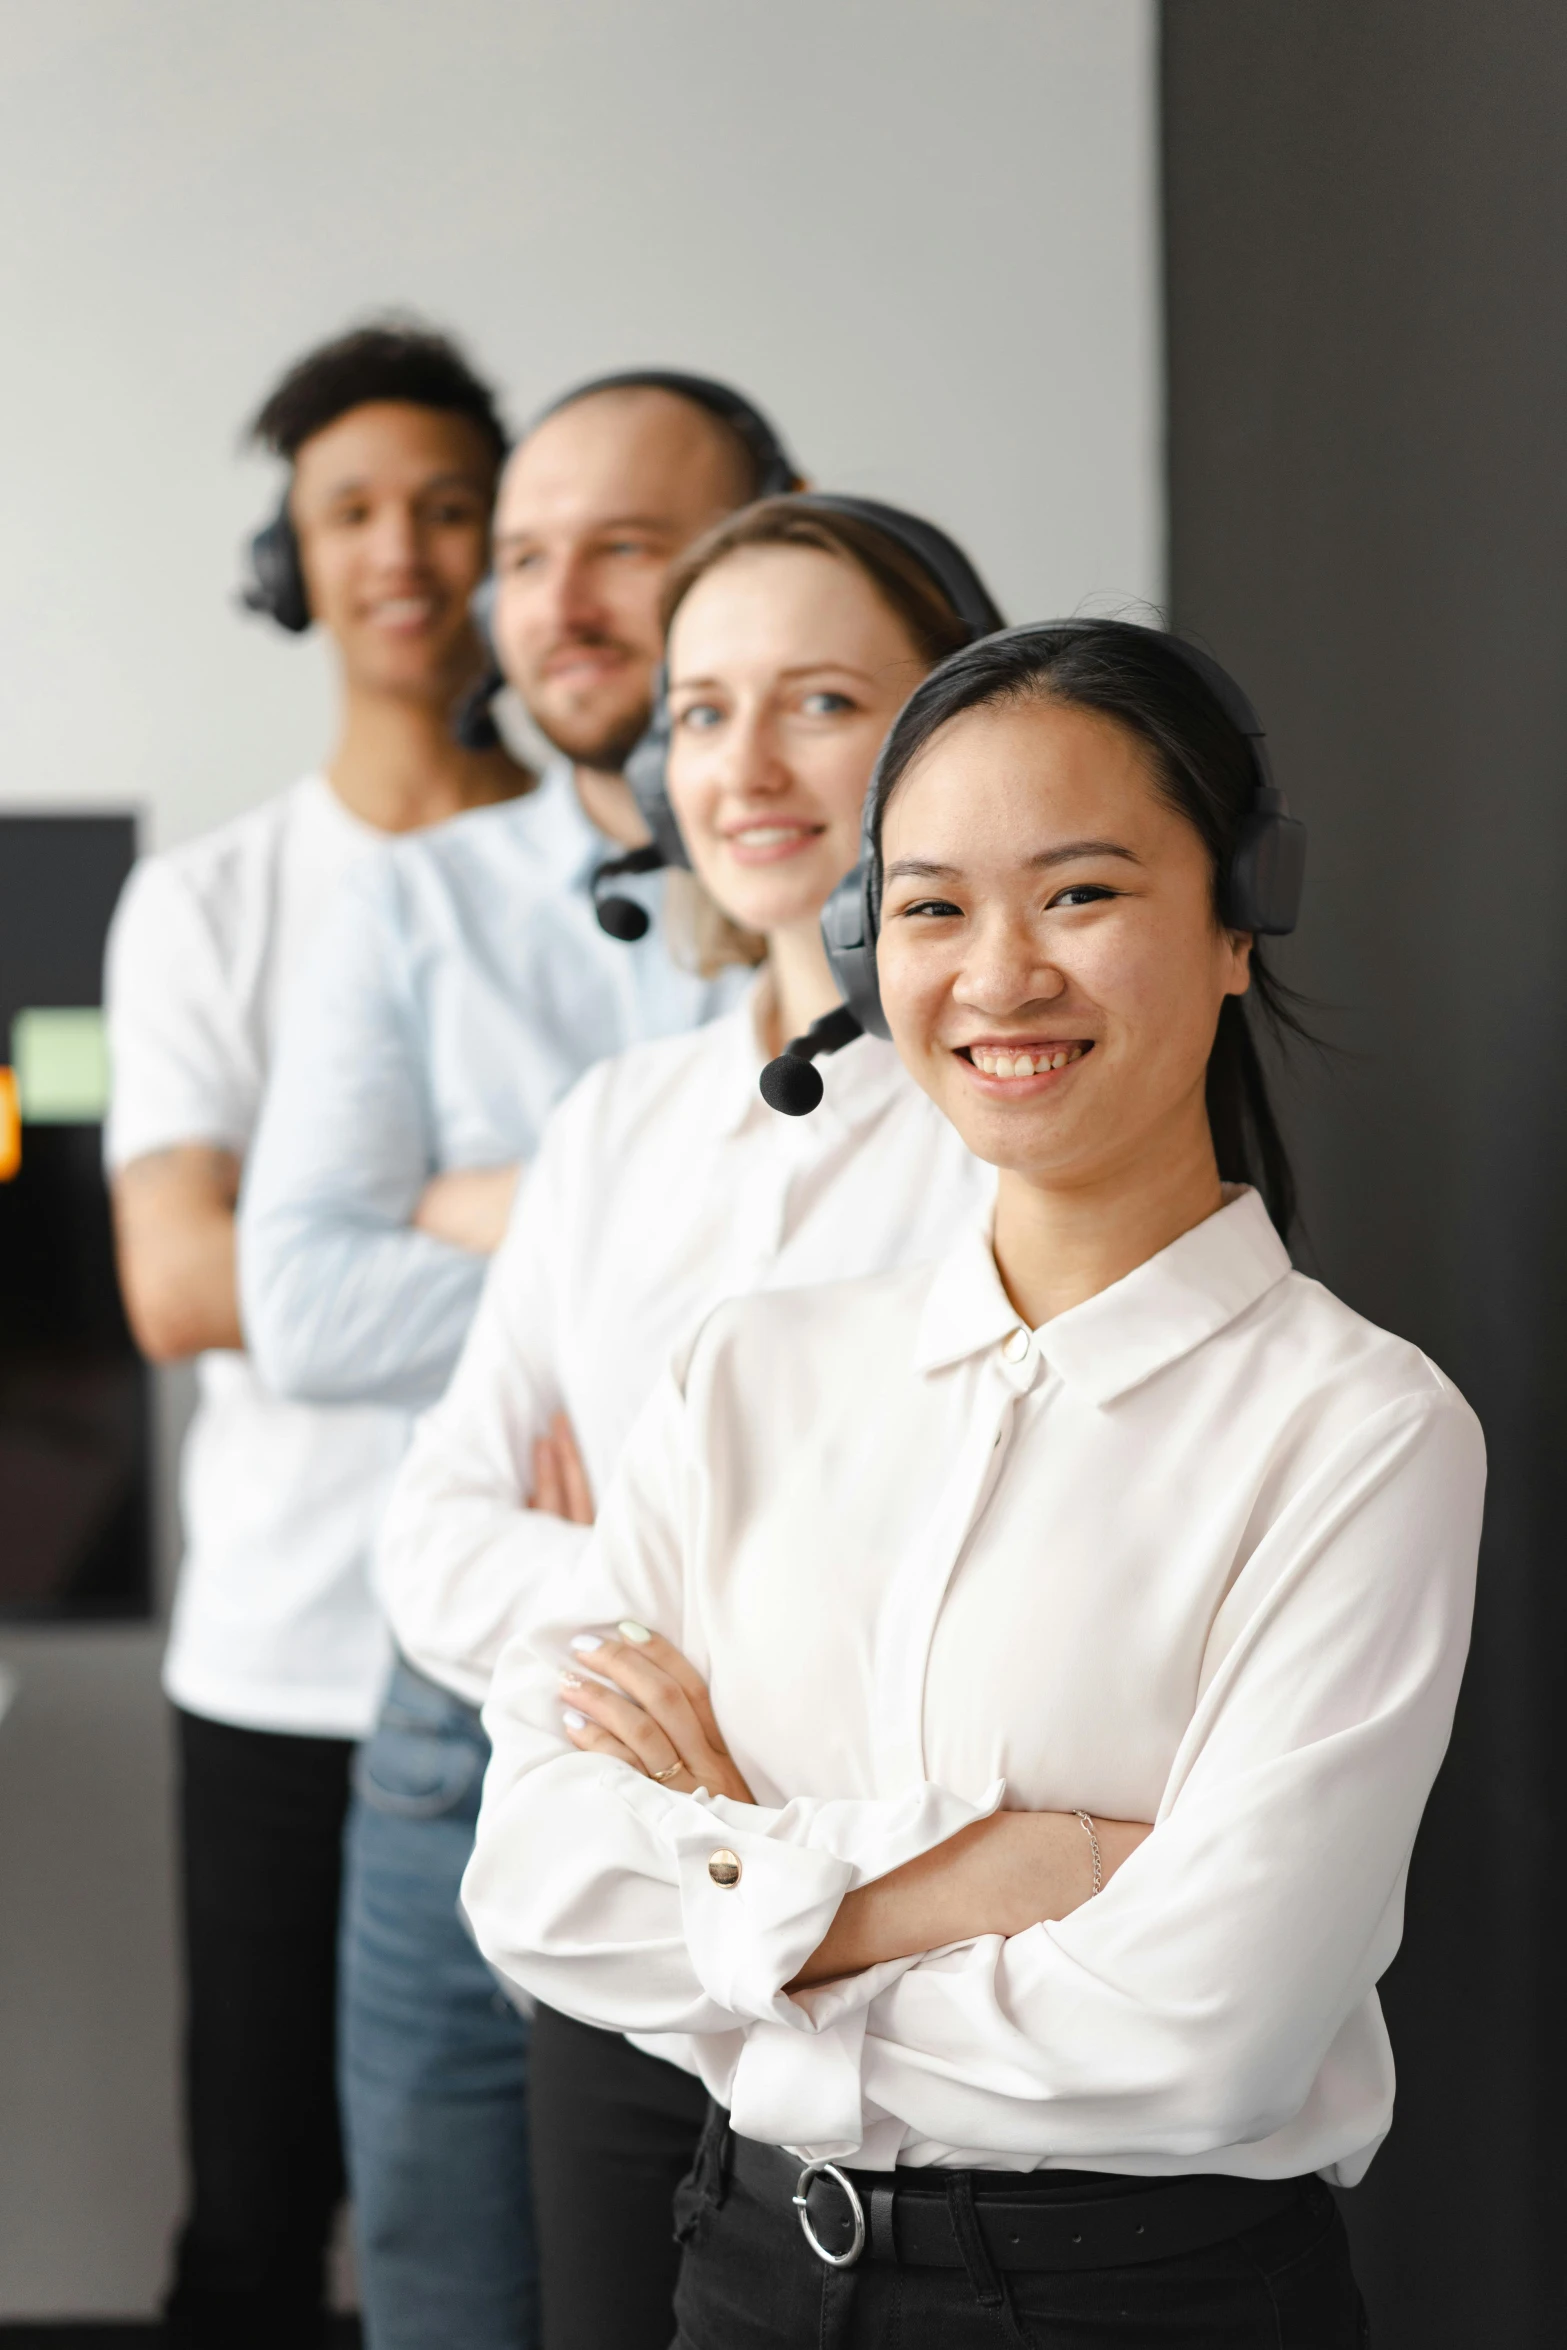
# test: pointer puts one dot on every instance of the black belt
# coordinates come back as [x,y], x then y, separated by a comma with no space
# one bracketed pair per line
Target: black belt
[1064,2222]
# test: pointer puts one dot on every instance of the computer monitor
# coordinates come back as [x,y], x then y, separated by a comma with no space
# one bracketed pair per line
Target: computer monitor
[75,1403]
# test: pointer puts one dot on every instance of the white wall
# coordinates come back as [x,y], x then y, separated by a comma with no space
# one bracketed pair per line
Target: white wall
[922,231]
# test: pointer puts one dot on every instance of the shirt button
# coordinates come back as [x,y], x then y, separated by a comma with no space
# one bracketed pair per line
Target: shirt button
[1015,1346]
[724,1866]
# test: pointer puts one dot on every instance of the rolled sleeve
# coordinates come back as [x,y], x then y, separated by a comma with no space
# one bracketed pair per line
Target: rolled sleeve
[747,1939]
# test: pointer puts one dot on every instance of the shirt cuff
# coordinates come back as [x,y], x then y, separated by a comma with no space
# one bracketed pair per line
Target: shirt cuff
[759,1889]
[753,1909]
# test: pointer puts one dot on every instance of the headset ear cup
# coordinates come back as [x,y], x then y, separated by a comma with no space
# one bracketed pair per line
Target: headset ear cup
[646,774]
[277,581]
[473,721]
[848,934]
[1267,875]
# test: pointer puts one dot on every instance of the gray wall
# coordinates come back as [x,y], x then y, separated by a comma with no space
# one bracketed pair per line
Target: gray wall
[1366,222]
[923,231]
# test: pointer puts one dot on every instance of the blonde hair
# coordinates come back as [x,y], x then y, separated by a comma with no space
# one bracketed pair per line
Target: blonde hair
[700,935]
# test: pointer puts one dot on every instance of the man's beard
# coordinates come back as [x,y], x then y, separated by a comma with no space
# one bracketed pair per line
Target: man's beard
[604,746]
[603,752]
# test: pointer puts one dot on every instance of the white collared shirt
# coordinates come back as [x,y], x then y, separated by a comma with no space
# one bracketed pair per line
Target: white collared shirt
[662,1186]
[1200,1551]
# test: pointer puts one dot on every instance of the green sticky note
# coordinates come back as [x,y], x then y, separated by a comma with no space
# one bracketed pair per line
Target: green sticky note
[61,1059]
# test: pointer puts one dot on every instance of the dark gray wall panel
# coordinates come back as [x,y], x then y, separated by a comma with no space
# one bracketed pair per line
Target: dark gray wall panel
[1366,220]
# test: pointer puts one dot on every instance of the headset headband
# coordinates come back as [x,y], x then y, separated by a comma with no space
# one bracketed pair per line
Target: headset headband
[938,555]
[776,470]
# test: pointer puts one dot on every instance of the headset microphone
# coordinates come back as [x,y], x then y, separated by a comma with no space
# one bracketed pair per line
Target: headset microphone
[622,917]
[792,1083]
[1261,891]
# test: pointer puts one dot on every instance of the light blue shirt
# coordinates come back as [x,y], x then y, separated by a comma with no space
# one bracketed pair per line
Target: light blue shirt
[459,987]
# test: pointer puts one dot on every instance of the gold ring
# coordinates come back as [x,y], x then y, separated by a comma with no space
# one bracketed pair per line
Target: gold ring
[676,1765]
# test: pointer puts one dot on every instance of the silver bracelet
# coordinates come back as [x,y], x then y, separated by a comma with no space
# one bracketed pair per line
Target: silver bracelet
[1087,1826]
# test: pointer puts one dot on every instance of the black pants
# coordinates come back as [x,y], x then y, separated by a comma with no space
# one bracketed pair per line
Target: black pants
[749,2281]
[614,2133]
[261,1832]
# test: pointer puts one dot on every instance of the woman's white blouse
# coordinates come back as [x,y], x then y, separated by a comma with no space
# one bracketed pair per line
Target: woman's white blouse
[1200,1551]
[663,1184]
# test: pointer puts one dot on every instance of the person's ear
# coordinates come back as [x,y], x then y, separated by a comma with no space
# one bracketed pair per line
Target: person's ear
[1240,943]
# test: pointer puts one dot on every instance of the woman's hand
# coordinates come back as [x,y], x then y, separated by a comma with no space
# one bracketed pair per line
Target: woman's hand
[468,1208]
[1000,1876]
[560,1482]
[657,1716]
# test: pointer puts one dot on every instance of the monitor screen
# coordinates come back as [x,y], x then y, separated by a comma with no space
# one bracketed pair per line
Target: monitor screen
[75,1469]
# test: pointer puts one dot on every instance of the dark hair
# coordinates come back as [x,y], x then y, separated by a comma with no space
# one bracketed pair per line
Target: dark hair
[392,361]
[1206,771]
[903,584]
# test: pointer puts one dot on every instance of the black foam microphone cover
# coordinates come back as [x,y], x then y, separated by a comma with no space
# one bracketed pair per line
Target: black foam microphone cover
[619,917]
[473,721]
[622,918]
[791,1085]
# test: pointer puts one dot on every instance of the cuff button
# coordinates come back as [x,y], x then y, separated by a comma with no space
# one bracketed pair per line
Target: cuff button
[724,1867]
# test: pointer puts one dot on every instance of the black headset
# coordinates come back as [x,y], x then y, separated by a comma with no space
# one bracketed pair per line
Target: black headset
[1261,893]
[937,555]
[776,471]
[276,585]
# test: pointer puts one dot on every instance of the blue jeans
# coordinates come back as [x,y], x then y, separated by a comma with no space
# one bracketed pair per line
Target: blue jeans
[434,2057]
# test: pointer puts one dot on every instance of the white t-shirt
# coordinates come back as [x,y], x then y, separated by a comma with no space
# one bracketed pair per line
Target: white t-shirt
[274,1624]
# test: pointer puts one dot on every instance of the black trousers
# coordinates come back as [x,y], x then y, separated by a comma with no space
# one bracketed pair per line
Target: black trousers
[614,2133]
[749,2281]
[261,1833]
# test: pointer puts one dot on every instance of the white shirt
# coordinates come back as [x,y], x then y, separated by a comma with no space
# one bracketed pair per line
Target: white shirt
[460,989]
[663,1185]
[1199,1551]
[268,1633]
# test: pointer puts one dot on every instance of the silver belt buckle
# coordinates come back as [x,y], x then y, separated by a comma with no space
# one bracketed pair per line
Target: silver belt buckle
[802,2189]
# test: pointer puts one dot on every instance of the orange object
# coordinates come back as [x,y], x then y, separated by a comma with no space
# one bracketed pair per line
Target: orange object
[10,1126]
